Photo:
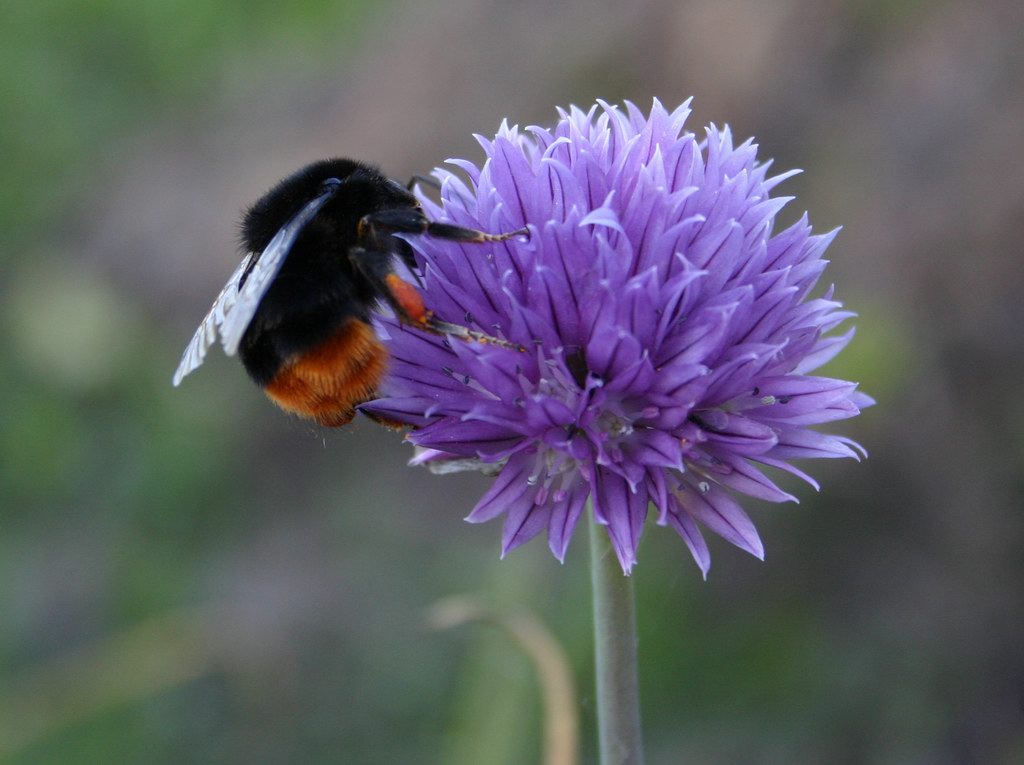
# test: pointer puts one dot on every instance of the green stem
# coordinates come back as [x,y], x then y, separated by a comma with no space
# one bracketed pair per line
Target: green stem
[618,696]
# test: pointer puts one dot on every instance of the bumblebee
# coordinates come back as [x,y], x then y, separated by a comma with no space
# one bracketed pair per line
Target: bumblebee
[320,259]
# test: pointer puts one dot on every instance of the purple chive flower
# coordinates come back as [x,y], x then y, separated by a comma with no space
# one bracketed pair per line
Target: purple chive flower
[669,333]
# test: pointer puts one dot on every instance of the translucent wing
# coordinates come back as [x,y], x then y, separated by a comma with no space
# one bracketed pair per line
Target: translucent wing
[236,321]
[235,306]
[206,335]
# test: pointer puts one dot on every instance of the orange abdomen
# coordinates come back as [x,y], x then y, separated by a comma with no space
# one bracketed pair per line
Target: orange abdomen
[327,382]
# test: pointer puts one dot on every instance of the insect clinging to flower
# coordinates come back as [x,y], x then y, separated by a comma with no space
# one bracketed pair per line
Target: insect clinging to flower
[649,349]
[320,259]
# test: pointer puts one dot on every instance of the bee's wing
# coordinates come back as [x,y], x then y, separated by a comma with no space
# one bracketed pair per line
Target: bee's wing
[206,334]
[234,307]
[236,321]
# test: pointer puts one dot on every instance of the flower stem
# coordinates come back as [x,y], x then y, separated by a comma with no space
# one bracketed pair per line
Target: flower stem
[618,696]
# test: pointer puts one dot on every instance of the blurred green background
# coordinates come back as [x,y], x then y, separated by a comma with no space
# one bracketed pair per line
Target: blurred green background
[187,576]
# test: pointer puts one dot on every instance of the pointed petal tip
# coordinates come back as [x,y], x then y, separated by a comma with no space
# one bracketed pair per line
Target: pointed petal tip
[558,549]
[627,559]
[863,400]
[702,558]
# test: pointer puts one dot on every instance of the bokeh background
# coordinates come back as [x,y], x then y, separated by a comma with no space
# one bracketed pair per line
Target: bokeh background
[187,576]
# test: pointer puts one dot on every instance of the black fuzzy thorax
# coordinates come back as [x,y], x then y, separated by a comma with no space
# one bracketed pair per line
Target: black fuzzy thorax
[318,288]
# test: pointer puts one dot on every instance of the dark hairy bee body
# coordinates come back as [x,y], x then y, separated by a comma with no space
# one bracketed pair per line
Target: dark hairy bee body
[319,287]
[321,251]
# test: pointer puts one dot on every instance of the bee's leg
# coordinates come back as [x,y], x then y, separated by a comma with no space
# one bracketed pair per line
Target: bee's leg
[460,234]
[403,297]
[426,180]
[439,327]
[405,252]
[407,302]
[413,221]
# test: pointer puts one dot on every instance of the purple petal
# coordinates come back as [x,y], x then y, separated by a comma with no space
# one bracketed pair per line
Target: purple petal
[466,438]
[861,400]
[565,513]
[554,301]
[734,432]
[611,350]
[509,487]
[623,511]
[783,465]
[711,506]
[411,410]
[799,443]
[524,520]
[698,339]
[685,526]
[737,473]
[793,396]
[513,178]
[655,448]
[603,216]
[836,410]
[735,376]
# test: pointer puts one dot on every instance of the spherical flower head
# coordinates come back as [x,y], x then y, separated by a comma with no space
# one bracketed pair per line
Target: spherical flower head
[669,333]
